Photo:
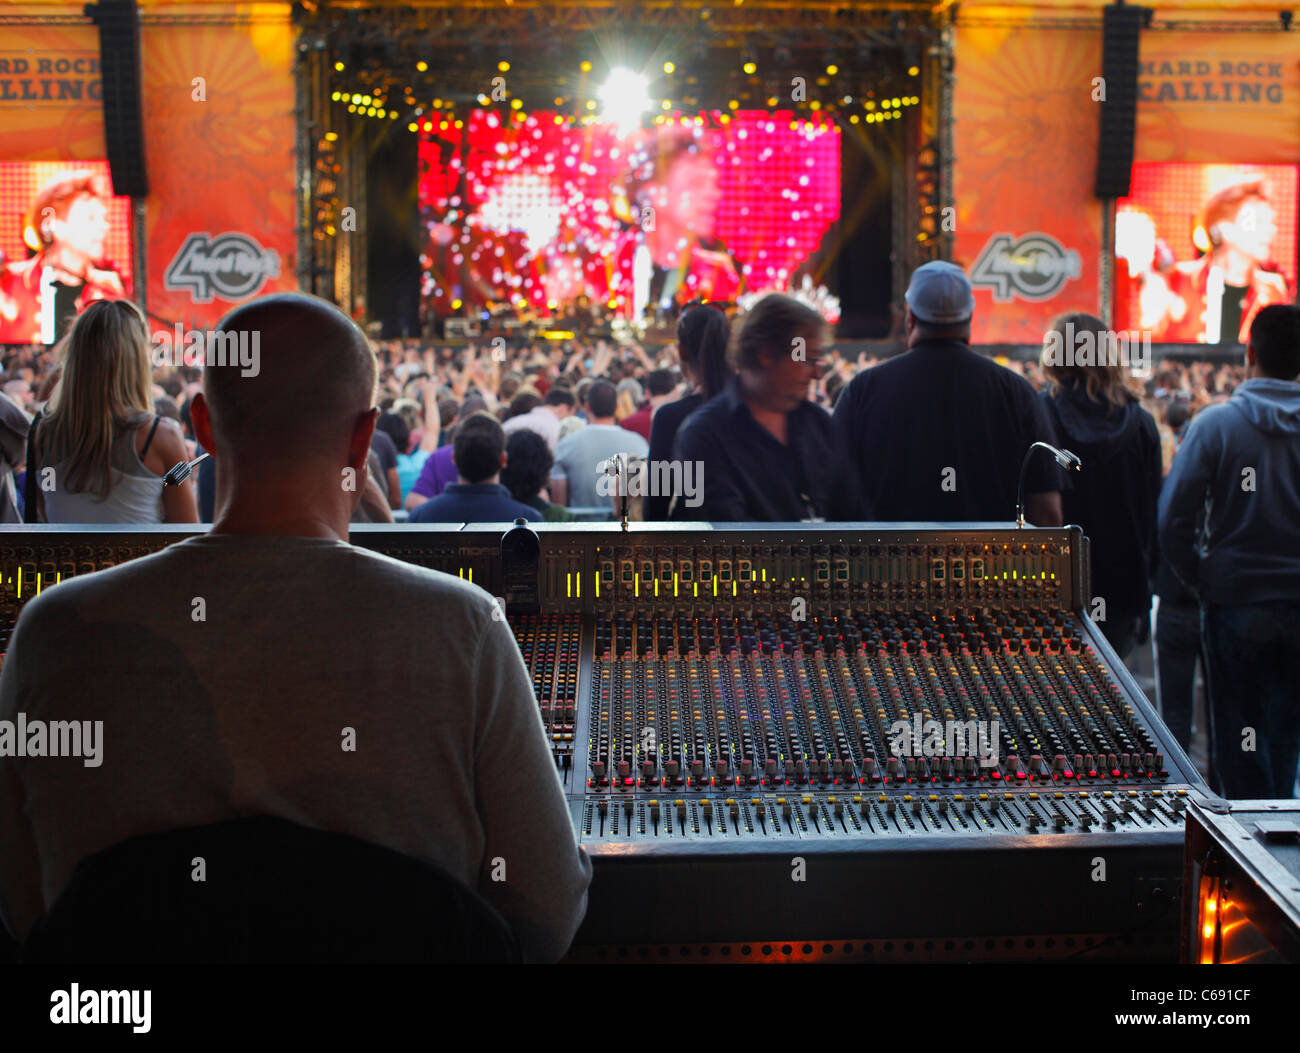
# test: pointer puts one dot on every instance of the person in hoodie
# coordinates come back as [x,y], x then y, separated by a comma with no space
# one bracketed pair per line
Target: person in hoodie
[1113,497]
[1230,528]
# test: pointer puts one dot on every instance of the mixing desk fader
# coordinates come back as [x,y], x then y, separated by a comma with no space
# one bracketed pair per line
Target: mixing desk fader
[805,741]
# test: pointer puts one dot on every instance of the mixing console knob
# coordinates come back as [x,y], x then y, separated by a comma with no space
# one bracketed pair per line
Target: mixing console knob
[968,805]
[769,767]
[654,811]
[786,809]
[994,805]
[1013,763]
[891,767]
[680,805]
[839,808]
[721,768]
[598,769]
[890,805]
[1078,763]
[1179,804]
[707,806]
[1112,762]
[647,769]
[868,767]
[746,767]
[624,769]
[1058,821]
[1148,760]
[910,763]
[1090,764]
[697,769]
[1085,818]
[941,805]
[1035,763]
[629,806]
[672,767]
[1058,762]
[1159,764]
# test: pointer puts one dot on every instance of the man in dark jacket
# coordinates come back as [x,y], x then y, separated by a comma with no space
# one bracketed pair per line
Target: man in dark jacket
[939,434]
[1230,528]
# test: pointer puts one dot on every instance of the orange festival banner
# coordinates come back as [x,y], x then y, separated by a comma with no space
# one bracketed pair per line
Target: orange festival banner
[219,133]
[1028,229]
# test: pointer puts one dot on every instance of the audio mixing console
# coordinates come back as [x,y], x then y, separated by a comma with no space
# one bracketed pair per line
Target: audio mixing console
[815,741]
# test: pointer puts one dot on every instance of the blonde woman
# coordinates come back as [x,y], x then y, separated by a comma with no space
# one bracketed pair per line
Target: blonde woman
[1114,496]
[99,434]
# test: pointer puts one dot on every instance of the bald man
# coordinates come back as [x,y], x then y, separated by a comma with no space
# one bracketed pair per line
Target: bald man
[269,667]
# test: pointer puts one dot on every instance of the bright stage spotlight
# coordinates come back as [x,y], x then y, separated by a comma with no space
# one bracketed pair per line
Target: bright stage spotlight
[624,96]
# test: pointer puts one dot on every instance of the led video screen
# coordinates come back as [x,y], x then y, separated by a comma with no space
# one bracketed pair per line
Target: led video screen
[64,240]
[540,211]
[1201,248]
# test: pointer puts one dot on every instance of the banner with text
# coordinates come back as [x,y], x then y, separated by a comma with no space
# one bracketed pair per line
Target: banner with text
[50,92]
[1231,97]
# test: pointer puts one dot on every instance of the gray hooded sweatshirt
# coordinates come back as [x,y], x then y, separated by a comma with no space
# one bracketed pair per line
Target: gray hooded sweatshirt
[1230,508]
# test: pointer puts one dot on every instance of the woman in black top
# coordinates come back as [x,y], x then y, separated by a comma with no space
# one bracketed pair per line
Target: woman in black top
[702,334]
[1114,496]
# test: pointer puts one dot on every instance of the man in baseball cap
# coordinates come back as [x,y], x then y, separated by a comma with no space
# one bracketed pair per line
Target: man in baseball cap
[940,294]
[938,434]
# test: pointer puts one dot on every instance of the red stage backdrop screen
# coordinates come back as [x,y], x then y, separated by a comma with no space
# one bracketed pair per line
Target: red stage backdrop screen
[539,211]
[1201,248]
[64,240]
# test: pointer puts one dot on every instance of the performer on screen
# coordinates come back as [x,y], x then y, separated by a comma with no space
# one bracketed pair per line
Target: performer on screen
[67,226]
[669,253]
[1213,300]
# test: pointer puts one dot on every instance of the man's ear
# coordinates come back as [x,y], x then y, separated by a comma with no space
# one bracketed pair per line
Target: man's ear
[909,322]
[362,430]
[201,422]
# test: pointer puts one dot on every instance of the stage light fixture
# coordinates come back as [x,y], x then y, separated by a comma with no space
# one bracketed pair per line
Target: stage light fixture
[422,66]
[669,67]
[503,66]
[750,68]
[832,69]
[624,97]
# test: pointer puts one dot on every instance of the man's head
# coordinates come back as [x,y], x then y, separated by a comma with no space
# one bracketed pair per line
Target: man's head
[602,400]
[479,450]
[940,303]
[560,401]
[71,214]
[777,348]
[525,401]
[660,383]
[309,408]
[1274,349]
[1238,217]
[528,465]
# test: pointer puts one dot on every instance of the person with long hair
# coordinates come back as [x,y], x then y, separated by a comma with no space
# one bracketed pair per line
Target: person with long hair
[1114,496]
[702,335]
[107,450]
